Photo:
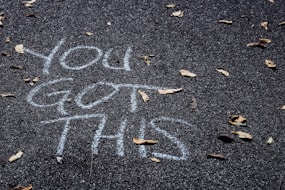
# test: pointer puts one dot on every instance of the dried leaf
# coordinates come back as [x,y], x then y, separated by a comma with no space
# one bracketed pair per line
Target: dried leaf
[270,64]
[270,140]
[2,17]
[281,23]
[171,5]
[89,33]
[7,95]
[155,160]
[143,95]
[242,135]
[237,120]
[253,44]
[193,103]
[109,23]
[224,72]
[264,25]
[36,79]
[229,22]
[29,3]
[7,40]
[16,156]
[146,58]
[271,1]
[225,138]
[143,141]
[178,14]
[19,48]
[6,54]
[27,79]
[218,156]
[20,187]
[16,67]
[264,40]
[187,73]
[59,159]
[282,107]
[170,91]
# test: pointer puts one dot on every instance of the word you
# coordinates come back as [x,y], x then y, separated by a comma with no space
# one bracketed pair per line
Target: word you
[58,99]
[62,60]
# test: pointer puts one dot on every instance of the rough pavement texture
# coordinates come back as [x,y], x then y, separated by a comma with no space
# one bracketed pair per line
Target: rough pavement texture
[196,42]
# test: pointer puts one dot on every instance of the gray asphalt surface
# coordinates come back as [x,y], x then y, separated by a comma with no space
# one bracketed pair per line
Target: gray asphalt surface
[132,29]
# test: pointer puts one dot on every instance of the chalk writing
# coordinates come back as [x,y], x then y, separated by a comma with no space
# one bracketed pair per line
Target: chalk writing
[48,59]
[39,98]
[119,137]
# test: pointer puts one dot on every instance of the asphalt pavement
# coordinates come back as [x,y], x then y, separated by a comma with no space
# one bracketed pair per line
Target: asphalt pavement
[73,74]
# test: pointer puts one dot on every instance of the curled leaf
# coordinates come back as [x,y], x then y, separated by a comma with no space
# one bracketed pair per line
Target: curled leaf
[155,160]
[20,187]
[270,64]
[282,107]
[170,91]
[19,48]
[17,67]
[224,72]
[281,23]
[16,156]
[237,120]
[29,3]
[242,135]
[143,141]
[187,73]
[217,156]
[264,25]
[178,13]
[143,95]
[7,40]
[229,22]
[270,140]
[7,95]
[171,5]
[89,33]
[36,79]
[254,44]
[265,40]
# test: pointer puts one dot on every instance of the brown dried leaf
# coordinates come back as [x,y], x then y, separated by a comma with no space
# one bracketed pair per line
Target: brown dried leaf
[237,120]
[264,25]
[4,53]
[229,22]
[7,40]
[281,23]
[2,17]
[270,64]
[242,135]
[225,138]
[253,44]
[264,40]
[187,73]
[16,156]
[155,160]
[146,59]
[7,95]
[19,48]
[224,72]
[178,14]
[29,3]
[20,187]
[169,91]
[171,5]
[143,95]
[143,141]
[36,79]
[270,140]
[218,156]
[89,33]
